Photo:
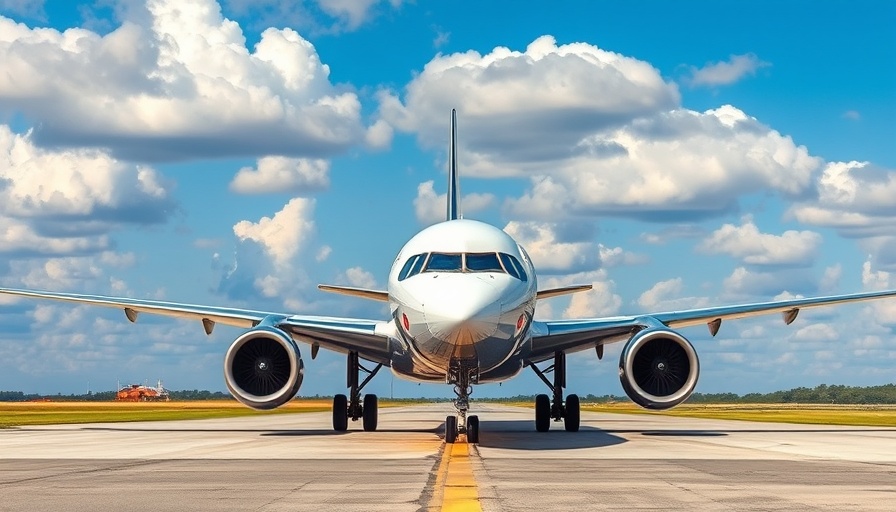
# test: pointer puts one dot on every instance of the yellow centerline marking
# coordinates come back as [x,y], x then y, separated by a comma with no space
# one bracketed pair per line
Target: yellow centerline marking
[456,479]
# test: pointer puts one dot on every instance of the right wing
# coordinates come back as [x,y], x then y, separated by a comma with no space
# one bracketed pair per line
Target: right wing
[573,335]
[367,337]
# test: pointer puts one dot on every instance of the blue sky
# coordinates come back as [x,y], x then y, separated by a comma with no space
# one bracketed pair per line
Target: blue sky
[674,155]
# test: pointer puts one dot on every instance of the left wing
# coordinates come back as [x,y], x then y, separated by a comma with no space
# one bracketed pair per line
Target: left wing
[572,335]
[367,337]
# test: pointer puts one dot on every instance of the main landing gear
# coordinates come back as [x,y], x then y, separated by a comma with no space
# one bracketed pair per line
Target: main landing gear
[463,376]
[547,408]
[351,407]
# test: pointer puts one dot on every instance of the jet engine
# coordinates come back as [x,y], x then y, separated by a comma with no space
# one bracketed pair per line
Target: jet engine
[263,368]
[658,368]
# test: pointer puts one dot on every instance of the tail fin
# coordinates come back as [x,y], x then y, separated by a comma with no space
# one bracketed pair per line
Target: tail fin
[453,192]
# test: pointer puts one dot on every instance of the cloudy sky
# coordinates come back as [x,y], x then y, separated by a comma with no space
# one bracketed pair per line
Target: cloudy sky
[673,154]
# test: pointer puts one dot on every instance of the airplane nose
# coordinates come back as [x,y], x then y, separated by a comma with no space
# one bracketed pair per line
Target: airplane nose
[467,318]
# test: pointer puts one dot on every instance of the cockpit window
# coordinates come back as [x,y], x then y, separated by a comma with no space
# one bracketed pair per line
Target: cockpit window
[441,262]
[483,262]
[412,266]
[513,267]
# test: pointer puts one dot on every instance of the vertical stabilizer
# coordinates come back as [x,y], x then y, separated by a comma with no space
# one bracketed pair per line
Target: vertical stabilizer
[453,191]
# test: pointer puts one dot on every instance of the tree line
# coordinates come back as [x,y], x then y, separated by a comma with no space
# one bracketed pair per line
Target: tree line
[823,394]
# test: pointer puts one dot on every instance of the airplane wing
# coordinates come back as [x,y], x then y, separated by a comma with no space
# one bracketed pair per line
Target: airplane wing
[338,334]
[574,335]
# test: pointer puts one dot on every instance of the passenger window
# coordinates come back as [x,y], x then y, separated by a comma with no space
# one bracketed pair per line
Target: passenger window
[513,267]
[439,262]
[486,262]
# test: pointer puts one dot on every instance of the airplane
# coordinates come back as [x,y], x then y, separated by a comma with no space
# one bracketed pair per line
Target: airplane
[462,296]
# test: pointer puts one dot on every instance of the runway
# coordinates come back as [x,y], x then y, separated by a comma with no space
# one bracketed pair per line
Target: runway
[295,462]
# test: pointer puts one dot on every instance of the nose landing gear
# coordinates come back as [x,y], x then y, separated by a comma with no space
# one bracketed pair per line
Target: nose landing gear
[463,376]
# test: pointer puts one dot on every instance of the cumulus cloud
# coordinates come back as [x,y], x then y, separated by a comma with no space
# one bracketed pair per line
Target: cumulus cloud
[62,202]
[551,253]
[596,133]
[748,244]
[283,235]
[275,174]
[175,80]
[430,207]
[726,72]
[855,198]
[552,94]
[601,300]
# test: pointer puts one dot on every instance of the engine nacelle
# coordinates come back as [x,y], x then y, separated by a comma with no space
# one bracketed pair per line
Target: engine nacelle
[263,368]
[658,368]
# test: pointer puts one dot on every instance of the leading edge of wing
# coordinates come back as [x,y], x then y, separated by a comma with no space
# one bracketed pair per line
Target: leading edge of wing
[579,334]
[698,316]
[336,333]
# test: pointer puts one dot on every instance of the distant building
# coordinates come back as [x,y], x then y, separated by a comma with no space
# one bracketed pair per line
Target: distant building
[142,393]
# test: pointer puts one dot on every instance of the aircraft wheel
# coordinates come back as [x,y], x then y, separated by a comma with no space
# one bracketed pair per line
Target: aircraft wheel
[450,429]
[542,413]
[369,412]
[340,413]
[572,419]
[473,429]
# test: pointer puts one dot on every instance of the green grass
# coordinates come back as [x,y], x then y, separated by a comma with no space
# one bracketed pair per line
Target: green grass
[810,414]
[13,414]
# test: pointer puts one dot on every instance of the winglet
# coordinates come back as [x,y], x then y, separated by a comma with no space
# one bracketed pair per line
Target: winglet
[453,192]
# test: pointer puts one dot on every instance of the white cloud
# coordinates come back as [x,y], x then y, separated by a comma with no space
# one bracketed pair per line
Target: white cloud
[752,247]
[62,202]
[600,301]
[596,132]
[550,93]
[852,115]
[666,295]
[430,207]
[176,81]
[277,174]
[548,253]
[853,197]
[283,235]
[674,163]
[726,72]
[358,277]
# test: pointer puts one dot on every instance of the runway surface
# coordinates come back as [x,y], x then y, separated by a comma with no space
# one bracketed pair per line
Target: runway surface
[296,462]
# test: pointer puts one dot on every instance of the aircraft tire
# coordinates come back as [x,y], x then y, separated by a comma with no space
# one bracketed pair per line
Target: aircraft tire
[369,412]
[542,413]
[473,430]
[572,418]
[340,413]
[450,429]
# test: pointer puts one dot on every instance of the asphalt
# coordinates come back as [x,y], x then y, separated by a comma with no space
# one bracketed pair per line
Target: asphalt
[295,462]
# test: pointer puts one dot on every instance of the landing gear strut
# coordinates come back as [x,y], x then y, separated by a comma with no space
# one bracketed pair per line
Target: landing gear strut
[345,407]
[548,408]
[463,376]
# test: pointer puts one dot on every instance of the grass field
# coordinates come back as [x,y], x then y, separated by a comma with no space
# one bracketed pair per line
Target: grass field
[812,414]
[14,414]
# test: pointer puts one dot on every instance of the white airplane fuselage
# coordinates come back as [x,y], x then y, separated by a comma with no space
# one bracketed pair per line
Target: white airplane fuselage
[461,292]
